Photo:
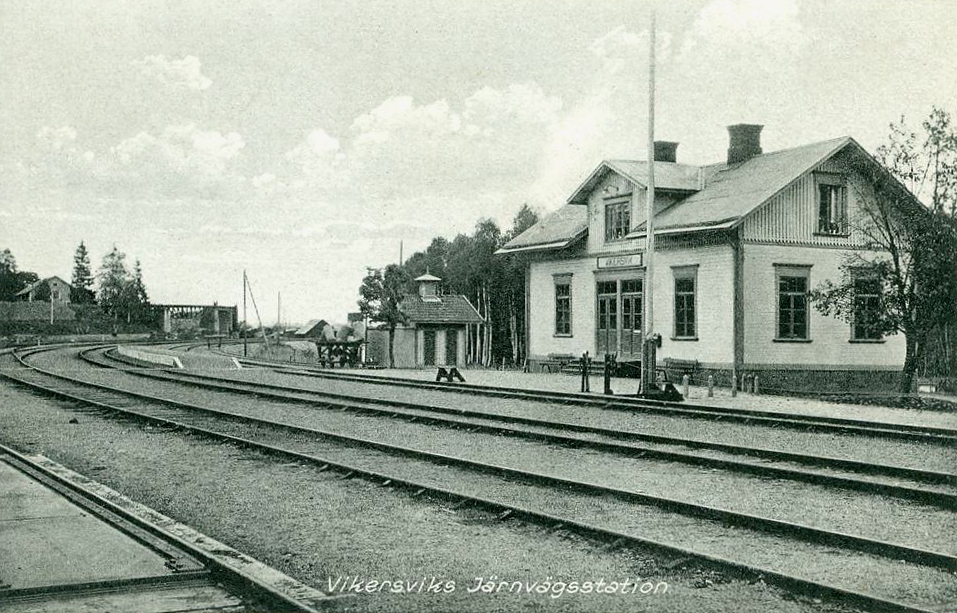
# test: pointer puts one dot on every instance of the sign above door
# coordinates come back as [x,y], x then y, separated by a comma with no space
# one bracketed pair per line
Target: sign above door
[620,261]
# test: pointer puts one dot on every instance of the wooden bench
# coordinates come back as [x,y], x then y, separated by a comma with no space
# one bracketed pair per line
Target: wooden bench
[557,361]
[683,367]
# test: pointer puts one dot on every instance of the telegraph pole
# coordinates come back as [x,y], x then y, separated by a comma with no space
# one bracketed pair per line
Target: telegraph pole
[245,325]
[648,361]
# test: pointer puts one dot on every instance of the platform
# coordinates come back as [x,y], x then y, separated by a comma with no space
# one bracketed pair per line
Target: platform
[785,405]
[59,553]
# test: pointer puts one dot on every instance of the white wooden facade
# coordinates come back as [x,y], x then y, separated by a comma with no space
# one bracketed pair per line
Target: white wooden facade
[736,271]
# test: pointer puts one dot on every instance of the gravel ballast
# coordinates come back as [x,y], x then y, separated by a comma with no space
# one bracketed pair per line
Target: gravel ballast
[911,454]
[859,513]
[315,526]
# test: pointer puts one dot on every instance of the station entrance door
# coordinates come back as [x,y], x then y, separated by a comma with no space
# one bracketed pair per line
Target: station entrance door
[619,318]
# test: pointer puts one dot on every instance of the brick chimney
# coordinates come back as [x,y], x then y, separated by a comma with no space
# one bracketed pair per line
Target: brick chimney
[744,142]
[666,151]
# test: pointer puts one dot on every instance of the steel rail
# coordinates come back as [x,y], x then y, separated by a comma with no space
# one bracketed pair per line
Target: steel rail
[198,565]
[744,520]
[462,419]
[621,403]
[795,583]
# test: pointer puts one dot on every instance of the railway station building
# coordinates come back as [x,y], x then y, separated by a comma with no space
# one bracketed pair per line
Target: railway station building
[435,329]
[739,244]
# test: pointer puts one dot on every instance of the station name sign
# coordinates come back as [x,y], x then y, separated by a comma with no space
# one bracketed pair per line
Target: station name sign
[620,261]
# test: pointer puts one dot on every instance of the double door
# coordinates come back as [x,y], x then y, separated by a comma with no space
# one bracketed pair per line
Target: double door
[619,317]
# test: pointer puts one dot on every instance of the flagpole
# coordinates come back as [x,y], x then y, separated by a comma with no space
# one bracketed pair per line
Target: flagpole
[648,366]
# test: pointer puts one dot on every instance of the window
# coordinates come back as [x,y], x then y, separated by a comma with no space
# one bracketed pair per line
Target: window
[832,205]
[563,306]
[617,220]
[867,305]
[792,303]
[685,286]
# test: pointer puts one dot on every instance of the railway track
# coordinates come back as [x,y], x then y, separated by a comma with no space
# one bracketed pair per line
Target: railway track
[862,476]
[631,405]
[486,484]
[169,562]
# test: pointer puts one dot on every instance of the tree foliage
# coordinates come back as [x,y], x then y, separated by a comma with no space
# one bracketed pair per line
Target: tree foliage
[379,297]
[12,279]
[121,293]
[908,249]
[82,279]
[467,265]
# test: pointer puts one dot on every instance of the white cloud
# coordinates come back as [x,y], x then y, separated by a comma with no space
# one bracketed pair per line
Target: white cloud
[181,155]
[621,48]
[56,139]
[185,73]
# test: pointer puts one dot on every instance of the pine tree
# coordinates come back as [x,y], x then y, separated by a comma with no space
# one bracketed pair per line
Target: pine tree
[82,281]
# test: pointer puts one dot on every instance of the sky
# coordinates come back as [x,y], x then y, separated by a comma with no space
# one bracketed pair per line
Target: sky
[302,140]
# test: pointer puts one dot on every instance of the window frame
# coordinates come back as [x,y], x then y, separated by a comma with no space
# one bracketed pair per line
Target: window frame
[858,275]
[617,211]
[565,280]
[683,273]
[792,271]
[831,227]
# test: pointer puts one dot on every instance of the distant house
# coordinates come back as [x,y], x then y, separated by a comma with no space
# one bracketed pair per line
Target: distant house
[312,329]
[435,332]
[51,289]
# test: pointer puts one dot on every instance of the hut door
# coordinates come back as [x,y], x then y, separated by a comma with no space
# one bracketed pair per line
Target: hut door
[429,349]
[607,317]
[451,347]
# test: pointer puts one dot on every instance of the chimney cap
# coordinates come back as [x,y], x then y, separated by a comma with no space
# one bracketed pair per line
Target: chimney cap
[666,151]
[744,142]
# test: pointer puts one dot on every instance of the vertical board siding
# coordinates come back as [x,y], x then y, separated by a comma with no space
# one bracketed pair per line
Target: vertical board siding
[790,218]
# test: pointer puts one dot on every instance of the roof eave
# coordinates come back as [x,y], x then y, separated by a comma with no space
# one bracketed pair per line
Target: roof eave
[542,246]
[683,229]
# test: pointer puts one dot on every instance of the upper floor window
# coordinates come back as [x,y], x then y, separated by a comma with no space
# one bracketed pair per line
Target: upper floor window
[617,220]
[563,306]
[686,285]
[867,306]
[793,303]
[831,204]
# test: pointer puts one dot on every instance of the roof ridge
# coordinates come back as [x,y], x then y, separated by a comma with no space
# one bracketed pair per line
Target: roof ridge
[725,163]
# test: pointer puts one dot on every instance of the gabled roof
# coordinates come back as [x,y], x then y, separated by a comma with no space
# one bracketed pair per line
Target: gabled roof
[312,323]
[449,309]
[668,176]
[555,231]
[716,197]
[730,192]
[26,290]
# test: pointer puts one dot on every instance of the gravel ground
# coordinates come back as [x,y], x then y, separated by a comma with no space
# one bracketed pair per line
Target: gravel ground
[315,526]
[872,516]
[911,454]
[628,447]
[698,394]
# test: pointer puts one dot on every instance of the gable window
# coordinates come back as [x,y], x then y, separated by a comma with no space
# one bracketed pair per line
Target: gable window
[686,285]
[563,306]
[831,204]
[617,220]
[867,305]
[792,312]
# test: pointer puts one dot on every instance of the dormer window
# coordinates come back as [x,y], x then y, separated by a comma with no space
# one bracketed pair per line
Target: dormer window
[617,220]
[831,204]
